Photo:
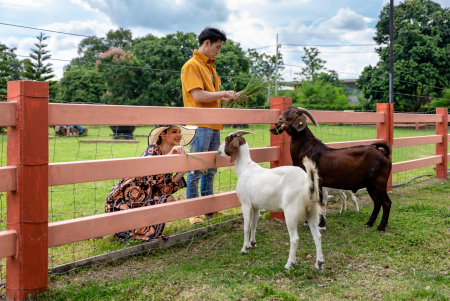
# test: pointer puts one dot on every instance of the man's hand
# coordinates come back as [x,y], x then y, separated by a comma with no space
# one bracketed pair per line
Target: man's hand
[232,95]
[243,99]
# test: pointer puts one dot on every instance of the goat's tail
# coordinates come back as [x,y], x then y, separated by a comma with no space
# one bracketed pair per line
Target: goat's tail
[313,177]
[383,148]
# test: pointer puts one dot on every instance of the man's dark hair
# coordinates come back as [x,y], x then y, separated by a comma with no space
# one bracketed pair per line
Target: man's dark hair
[211,34]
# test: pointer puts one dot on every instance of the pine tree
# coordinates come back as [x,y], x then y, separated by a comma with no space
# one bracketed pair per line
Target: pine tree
[5,70]
[36,69]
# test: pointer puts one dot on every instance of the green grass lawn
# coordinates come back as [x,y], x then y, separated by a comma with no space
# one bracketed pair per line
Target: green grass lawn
[410,261]
[85,199]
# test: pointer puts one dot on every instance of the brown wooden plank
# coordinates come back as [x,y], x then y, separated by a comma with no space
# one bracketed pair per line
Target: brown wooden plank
[99,170]
[65,232]
[403,117]
[346,117]
[352,143]
[414,164]
[420,140]
[8,112]
[62,114]
[8,243]
[8,176]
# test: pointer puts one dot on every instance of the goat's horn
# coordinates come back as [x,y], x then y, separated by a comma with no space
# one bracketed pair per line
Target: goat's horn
[303,110]
[241,133]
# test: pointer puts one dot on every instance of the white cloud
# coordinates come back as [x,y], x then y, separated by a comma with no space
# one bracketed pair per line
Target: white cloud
[25,3]
[84,5]
[237,4]
[163,15]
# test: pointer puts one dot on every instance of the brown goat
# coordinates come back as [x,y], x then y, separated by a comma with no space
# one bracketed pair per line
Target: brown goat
[350,168]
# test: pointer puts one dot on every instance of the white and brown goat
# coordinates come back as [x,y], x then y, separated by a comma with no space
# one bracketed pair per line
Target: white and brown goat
[288,188]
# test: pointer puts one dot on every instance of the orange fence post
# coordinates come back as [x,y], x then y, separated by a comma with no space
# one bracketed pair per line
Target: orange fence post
[27,213]
[442,148]
[283,141]
[386,130]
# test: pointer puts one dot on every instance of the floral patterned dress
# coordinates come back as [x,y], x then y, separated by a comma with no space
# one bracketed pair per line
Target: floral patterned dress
[143,191]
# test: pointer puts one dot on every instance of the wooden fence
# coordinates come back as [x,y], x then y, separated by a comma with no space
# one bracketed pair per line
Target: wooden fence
[28,174]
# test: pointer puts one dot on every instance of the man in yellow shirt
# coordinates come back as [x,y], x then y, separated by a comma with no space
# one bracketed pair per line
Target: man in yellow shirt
[201,89]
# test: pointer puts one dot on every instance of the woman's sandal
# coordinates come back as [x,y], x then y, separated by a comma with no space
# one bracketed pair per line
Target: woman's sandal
[195,220]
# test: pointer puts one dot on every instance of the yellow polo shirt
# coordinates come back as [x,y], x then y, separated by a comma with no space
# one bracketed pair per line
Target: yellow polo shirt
[196,73]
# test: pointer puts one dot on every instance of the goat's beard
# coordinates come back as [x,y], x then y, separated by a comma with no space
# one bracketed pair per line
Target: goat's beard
[284,126]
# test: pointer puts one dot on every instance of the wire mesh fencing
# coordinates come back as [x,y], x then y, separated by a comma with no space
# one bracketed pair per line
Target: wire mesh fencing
[87,199]
[400,154]
[2,205]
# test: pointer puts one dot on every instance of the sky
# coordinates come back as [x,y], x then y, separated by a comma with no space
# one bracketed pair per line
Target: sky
[252,23]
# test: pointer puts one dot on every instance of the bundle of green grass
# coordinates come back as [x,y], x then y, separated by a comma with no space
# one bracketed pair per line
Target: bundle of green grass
[255,86]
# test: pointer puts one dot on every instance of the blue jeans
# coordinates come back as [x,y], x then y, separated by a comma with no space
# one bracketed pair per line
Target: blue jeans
[205,140]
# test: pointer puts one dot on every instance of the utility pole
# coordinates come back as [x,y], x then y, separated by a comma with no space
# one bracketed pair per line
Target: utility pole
[391,53]
[276,68]
[268,87]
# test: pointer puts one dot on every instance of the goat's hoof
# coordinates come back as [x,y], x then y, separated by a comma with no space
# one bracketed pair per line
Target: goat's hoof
[321,229]
[289,265]
[305,224]
[244,250]
[381,228]
[253,244]
[319,265]
[369,225]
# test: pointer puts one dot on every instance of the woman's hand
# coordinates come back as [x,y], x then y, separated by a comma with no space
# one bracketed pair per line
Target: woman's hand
[178,176]
[177,150]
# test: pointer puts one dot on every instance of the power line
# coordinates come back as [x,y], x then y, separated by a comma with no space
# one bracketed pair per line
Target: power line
[310,34]
[332,51]
[79,35]
[360,45]
[72,34]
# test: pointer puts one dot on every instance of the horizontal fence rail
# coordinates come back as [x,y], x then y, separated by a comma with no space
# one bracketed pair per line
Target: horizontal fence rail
[414,164]
[402,117]
[8,176]
[420,140]
[98,170]
[352,143]
[65,232]
[8,114]
[346,117]
[63,114]
[8,243]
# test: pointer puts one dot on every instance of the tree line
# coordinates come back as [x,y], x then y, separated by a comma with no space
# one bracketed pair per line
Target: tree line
[122,70]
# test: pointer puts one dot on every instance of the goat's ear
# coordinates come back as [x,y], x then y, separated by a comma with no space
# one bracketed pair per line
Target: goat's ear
[234,149]
[300,123]
[276,130]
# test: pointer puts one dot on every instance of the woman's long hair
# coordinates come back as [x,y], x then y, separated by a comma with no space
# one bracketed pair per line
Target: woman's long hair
[159,141]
